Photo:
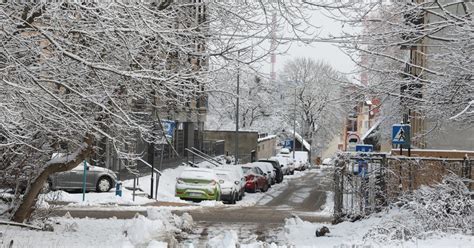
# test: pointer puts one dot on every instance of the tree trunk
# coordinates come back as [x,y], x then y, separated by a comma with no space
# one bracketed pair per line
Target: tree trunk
[27,203]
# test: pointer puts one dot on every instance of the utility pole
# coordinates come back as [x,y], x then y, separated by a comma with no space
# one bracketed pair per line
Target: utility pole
[294,127]
[151,147]
[302,133]
[151,160]
[237,111]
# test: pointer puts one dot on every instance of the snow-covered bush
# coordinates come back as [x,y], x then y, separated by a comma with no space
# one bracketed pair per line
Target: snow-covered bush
[443,208]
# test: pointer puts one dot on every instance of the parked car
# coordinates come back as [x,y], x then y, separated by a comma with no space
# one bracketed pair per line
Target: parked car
[198,184]
[255,179]
[239,174]
[277,168]
[267,168]
[285,151]
[302,160]
[230,188]
[328,162]
[298,165]
[289,161]
[97,179]
[284,163]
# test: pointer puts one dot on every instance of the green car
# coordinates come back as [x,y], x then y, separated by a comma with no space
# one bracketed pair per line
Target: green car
[198,184]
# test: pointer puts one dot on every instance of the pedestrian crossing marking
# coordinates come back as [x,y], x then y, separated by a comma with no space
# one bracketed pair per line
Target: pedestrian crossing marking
[400,136]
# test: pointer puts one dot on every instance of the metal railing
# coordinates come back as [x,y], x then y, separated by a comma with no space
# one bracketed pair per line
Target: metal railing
[366,182]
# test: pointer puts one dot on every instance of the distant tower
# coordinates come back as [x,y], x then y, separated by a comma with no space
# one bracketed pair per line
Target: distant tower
[273,48]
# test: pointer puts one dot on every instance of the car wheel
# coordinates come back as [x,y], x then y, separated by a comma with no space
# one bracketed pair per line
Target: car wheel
[265,188]
[104,184]
[241,195]
[233,199]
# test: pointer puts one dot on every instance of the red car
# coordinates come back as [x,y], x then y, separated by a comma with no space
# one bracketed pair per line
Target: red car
[255,179]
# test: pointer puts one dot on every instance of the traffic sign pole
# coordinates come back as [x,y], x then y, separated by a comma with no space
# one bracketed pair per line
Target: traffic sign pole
[401,135]
[84,181]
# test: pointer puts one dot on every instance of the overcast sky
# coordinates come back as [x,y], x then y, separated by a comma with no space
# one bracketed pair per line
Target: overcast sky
[324,51]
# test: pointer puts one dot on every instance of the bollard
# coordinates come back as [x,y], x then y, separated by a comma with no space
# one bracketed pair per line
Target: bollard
[118,188]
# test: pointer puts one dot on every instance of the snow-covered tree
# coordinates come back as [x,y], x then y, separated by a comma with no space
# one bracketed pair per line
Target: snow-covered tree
[255,103]
[419,52]
[317,89]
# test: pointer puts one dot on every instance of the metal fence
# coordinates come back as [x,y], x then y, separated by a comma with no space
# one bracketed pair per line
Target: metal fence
[365,182]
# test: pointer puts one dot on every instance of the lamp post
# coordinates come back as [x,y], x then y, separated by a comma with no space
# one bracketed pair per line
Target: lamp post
[302,133]
[237,111]
[294,127]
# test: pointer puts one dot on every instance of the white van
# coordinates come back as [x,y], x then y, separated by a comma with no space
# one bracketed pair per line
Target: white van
[302,160]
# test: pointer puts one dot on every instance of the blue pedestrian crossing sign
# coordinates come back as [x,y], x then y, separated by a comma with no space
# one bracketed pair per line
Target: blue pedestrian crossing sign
[401,134]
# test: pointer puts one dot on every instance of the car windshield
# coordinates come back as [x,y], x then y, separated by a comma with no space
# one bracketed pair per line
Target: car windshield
[282,160]
[246,169]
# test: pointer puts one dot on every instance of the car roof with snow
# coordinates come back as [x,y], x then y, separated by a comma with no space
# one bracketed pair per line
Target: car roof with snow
[198,173]
[269,159]
[249,165]
[285,151]
[267,165]
[282,160]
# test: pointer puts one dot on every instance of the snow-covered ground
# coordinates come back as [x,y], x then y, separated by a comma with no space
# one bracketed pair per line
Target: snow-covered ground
[161,228]
[156,230]
[97,199]
[356,234]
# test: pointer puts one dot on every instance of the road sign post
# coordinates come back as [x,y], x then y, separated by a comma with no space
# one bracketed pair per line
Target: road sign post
[363,163]
[84,176]
[401,136]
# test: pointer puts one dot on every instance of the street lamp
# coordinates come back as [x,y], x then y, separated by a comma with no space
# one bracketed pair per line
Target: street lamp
[302,132]
[294,127]
[237,111]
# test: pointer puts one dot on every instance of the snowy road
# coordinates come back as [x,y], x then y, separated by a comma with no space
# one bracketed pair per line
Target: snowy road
[259,217]
[304,196]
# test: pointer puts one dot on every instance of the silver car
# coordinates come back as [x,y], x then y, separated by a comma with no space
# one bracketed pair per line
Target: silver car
[97,179]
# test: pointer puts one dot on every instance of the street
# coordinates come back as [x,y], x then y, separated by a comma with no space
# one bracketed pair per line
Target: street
[264,222]
[303,196]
